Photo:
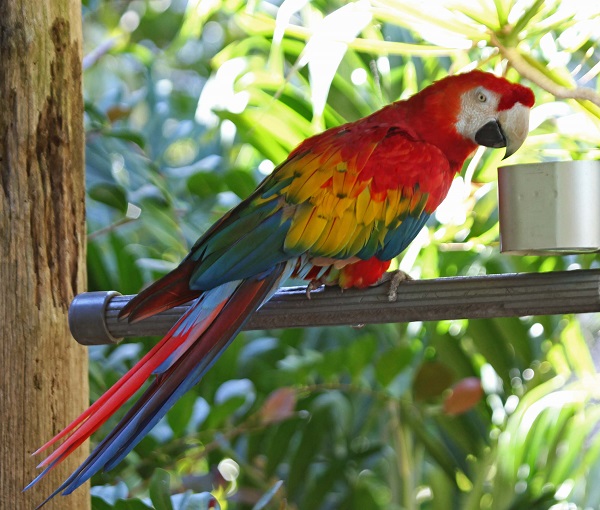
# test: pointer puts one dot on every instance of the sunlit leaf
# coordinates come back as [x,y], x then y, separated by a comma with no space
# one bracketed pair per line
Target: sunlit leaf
[326,47]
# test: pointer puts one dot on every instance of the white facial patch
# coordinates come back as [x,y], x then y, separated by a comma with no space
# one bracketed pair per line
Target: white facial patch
[477,107]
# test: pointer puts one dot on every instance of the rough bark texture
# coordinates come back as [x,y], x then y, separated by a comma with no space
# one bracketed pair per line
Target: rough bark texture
[43,372]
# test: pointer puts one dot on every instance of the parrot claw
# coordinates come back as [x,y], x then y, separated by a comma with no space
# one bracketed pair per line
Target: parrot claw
[395,278]
[313,285]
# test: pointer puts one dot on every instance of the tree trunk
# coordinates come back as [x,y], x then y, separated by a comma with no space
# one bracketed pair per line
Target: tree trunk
[42,238]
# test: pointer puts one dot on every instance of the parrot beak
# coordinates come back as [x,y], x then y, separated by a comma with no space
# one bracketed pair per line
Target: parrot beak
[509,130]
[515,126]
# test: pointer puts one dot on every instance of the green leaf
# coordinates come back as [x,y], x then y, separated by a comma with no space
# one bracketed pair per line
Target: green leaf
[240,182]
[160,492]
[109,194]
[392,362]
[308,448]
[99,503]
[577,350]
[131,504]
[364,496]
[278,446]
[127,135]
[358,355]
[432,378]
[130,278]
[439,451]
[525,18]
[181,413]
[320,487]
[99,274]
[502,8]
[205,184]
[96,115]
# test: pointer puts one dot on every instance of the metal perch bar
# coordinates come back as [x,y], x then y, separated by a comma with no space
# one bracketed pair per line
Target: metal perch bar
[93,316]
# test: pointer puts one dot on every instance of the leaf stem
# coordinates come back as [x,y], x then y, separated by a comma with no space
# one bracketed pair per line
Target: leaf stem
[526,70]
[109,228]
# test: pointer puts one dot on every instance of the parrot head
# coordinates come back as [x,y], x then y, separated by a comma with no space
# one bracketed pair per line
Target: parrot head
[479,107]
[495,113]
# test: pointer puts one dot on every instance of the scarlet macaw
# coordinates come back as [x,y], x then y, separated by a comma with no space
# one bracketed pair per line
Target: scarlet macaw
[337,210]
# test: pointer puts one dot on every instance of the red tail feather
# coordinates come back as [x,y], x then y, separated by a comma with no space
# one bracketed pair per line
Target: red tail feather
[179,360]
[171,290]
[91,419]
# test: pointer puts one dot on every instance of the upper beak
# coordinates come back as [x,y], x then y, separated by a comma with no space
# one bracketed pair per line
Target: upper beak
[508,130]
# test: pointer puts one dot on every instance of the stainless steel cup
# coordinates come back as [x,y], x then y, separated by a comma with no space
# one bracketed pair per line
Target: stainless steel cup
[549,208]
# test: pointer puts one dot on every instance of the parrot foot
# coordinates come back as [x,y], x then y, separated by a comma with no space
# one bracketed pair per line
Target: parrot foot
[396,278]
[313,285]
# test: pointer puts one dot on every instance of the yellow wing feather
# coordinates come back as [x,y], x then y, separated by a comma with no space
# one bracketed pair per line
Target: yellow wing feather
[306,227]
[337,239]
[361,203]
[359,238]
[335,208]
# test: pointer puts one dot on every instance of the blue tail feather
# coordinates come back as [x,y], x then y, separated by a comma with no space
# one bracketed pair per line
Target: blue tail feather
[178,373]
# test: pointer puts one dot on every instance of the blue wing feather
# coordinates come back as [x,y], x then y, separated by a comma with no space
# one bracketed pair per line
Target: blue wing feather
[398,239]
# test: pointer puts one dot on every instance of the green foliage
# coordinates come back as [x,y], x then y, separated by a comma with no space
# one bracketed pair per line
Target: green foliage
[188,106]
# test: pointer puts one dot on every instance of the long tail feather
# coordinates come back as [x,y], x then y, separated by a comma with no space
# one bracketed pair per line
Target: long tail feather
[170,291]
[180,359]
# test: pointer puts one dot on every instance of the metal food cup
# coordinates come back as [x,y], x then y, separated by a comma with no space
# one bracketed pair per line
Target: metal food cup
[549,208]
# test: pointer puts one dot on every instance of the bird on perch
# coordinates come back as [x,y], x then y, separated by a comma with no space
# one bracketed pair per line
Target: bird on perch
[336,211]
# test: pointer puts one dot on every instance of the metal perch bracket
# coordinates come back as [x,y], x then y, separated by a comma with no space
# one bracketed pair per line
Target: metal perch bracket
[93,316]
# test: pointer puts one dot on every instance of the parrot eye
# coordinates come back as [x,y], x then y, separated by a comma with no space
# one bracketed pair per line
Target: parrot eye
[481,97]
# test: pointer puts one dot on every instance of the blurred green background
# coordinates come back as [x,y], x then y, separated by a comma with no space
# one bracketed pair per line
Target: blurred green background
[189,104]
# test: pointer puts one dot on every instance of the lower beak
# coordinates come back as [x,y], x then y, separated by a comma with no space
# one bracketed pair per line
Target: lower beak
[491,135]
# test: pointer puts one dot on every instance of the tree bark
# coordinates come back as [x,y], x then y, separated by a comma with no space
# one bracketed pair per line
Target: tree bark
[42,238]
